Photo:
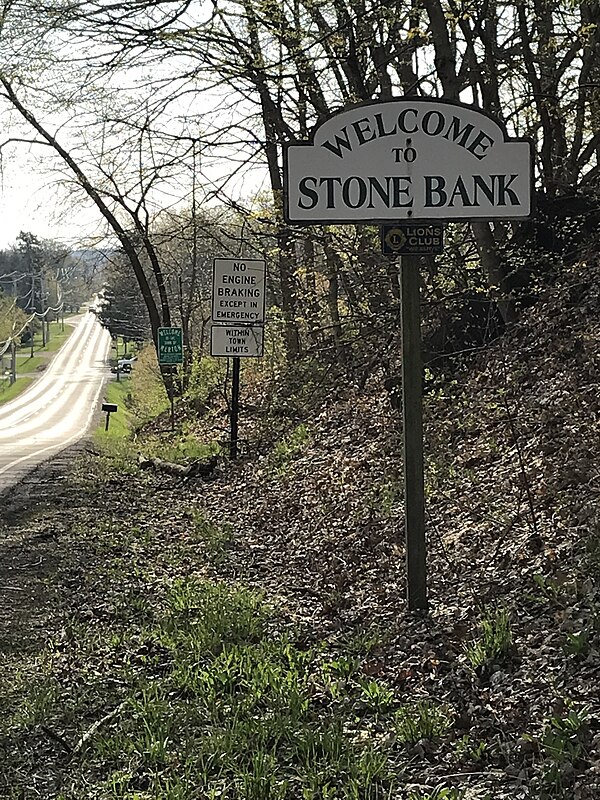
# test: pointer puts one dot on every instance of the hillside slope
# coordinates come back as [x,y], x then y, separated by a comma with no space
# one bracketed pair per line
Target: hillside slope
[512,476]
[511,648]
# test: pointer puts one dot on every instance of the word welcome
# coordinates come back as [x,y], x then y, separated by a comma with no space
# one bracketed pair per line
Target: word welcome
[410,121]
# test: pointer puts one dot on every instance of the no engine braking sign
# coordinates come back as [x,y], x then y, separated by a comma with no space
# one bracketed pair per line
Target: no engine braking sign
[238,291]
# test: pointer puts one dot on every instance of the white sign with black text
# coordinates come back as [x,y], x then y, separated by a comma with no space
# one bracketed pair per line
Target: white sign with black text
[408,159]
[237,341]
[238,290]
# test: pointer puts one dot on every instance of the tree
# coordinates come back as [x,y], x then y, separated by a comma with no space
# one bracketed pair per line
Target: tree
[286,65]
[120,305]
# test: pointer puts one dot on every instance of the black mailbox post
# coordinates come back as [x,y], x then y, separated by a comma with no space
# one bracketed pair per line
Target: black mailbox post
[110,408]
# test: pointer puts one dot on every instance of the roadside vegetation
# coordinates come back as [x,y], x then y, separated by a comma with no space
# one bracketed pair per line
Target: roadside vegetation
[244,636]
[175,626]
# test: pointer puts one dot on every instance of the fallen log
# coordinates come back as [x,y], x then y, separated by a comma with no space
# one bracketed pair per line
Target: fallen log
[196,469]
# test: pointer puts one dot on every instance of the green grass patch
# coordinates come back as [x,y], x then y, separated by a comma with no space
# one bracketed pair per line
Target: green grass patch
[440,793]
[422,719]
[57,337]
[9,392]
[119,453]
[180,449]
[201,693]
[494,642]
[28,364]
[121,422]
[232,714]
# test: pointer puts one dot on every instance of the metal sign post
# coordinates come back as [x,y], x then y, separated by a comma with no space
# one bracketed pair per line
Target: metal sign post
[235,408]
[411,164]
[238,315]
[170,353]
[412,414]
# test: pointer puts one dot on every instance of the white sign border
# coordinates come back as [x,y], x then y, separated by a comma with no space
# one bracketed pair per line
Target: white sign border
[246,323]
[218,325]
[387,220]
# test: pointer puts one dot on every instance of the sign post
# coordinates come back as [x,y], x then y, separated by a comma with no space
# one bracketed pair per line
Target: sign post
[170,353]
[238,314]
[409,164]
[412,417]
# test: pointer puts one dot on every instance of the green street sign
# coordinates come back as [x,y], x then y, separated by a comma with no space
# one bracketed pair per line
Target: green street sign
[170,346]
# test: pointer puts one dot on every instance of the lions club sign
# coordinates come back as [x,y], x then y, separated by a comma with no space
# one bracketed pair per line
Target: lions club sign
[410,159]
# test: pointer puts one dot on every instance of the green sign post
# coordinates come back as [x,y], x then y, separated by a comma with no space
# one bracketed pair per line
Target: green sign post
[170,346]
[170,353]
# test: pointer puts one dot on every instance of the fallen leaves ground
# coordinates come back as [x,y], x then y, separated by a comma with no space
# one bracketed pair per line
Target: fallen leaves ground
[512,480]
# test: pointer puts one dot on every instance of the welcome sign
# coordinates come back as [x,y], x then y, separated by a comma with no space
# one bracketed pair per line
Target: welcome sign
[412,159]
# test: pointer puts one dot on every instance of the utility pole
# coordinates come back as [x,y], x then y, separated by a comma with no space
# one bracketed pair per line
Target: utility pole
[13,366]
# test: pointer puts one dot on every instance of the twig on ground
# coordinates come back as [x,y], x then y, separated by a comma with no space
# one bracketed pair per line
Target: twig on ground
[92,730]
[57,738]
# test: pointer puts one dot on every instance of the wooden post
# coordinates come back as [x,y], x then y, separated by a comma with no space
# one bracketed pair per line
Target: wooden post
[172,396]
[13,363]
[235,408]
[412,410]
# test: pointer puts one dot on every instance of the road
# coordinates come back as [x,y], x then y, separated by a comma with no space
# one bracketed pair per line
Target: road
[58,408]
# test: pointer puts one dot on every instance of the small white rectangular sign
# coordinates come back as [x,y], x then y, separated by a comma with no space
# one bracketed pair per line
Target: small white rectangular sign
[241,341]
[238,290]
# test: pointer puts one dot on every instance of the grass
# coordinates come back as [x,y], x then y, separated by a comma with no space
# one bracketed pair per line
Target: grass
[121,422]
[136,395]
[494,643]
[204,698]
[28,364]
[180,449]
[439,793]
[10,392]
[564,742]
[214,538]
[57,337]
[422,719]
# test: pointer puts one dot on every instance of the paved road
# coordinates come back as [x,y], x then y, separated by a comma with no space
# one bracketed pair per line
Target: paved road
[58,408]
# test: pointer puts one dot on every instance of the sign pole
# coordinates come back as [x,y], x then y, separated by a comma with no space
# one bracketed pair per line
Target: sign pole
[412,410]
[235,408]
[423,161]
[172,398]
[169,346]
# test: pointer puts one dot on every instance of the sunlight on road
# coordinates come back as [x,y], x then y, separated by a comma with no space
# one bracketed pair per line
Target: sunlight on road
[57,409]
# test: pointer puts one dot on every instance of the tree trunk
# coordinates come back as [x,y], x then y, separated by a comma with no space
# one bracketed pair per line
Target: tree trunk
[493,269]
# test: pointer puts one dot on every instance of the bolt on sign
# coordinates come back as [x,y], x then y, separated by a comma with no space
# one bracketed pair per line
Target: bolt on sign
[170,346]
[408,159]
[238,290]
[412,239]
[243,341]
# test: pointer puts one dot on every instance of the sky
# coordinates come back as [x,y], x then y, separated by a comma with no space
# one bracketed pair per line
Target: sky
[30,201]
